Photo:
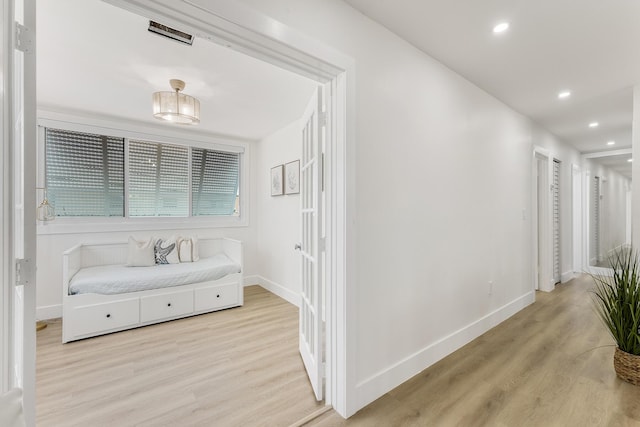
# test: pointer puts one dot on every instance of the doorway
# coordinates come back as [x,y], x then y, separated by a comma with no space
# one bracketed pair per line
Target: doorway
[543,235]
[555,191]
[577,215]
[334,161]
[607,221]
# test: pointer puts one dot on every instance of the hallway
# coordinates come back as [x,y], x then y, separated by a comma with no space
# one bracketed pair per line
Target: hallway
[549,365]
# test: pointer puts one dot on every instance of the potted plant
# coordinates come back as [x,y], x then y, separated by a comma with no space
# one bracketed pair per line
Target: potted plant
[617,301]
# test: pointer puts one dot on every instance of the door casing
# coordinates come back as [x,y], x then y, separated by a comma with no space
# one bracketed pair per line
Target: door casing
[247,31]
[542,226]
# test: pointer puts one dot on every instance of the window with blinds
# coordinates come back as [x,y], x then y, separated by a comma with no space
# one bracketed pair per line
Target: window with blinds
[158,179]
[84,173]
[214,182]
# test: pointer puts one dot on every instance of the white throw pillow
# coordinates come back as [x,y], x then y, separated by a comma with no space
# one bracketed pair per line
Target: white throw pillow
[11,409]
[166,251]
[141,253]
[188,249]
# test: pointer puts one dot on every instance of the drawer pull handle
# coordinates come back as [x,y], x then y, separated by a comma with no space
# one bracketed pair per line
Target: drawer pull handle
[108,315]
[218,296]
[169,305]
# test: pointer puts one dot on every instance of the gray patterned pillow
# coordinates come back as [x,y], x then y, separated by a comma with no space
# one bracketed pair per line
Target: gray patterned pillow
[166,251]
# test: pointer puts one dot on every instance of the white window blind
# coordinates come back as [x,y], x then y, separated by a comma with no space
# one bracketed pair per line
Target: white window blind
[158,179]
[214,182]
[84,173]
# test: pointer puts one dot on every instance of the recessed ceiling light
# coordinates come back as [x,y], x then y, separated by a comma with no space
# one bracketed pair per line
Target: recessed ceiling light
[629,160]
[564,94]
[611,143]
[594,124]
[501,27]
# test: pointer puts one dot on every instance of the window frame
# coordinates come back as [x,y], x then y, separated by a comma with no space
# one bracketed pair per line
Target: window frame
[187,138]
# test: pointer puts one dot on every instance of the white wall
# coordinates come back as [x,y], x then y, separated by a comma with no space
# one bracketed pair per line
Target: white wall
[443,174]
[277,218]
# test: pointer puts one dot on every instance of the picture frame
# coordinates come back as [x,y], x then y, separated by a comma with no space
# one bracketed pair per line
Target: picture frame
[292,177]
[277,181]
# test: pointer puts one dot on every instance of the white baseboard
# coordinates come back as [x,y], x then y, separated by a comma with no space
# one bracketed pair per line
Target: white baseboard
[251,280]
[375,386]
[566,276]
[273,287]
[49,312]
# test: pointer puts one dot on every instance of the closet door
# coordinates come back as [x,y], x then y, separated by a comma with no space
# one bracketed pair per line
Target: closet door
[556,220]
[310,246]
[596,218]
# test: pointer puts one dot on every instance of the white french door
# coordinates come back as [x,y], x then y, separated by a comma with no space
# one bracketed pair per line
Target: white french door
[311,252]
[18,200]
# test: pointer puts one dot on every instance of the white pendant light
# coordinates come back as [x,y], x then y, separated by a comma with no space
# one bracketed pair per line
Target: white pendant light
[176,107]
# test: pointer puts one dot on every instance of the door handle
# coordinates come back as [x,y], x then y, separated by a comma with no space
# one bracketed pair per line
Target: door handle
[298,247]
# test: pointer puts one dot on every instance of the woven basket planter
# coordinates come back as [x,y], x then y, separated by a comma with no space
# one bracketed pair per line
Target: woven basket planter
[627,366]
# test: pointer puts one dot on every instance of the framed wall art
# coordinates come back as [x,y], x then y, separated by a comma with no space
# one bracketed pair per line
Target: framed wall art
[277,182]
[292,177]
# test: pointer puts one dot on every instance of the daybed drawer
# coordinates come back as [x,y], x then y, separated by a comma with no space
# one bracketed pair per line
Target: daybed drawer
[165,306]
[216,296]
[90,319]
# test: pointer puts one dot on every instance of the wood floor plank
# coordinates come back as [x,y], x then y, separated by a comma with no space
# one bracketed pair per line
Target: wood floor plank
[237,367]
[551,364]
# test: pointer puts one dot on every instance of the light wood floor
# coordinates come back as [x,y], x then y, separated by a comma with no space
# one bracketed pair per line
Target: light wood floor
[238,367]
[549,365]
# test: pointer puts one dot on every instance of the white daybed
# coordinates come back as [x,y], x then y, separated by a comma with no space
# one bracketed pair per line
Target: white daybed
[186,289]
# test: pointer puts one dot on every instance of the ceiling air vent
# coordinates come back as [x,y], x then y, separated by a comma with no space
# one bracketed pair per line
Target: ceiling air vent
[171,33]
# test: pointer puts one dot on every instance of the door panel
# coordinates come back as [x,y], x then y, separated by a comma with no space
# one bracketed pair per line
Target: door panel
[18,200]
[311,324]
[557,274]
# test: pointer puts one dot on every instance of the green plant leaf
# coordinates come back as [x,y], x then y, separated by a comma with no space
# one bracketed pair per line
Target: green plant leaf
[617,299]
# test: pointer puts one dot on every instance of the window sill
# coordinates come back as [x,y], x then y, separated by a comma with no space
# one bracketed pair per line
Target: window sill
[109,225]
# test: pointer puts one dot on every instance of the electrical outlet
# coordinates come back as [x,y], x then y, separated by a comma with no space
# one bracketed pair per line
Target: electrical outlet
[490,287]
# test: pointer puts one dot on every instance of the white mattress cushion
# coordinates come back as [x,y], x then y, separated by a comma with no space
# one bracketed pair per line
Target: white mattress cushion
[117,279]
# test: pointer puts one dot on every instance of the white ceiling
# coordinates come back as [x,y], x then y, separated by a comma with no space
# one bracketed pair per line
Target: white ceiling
[619,163]
[96,58]
[590,47]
